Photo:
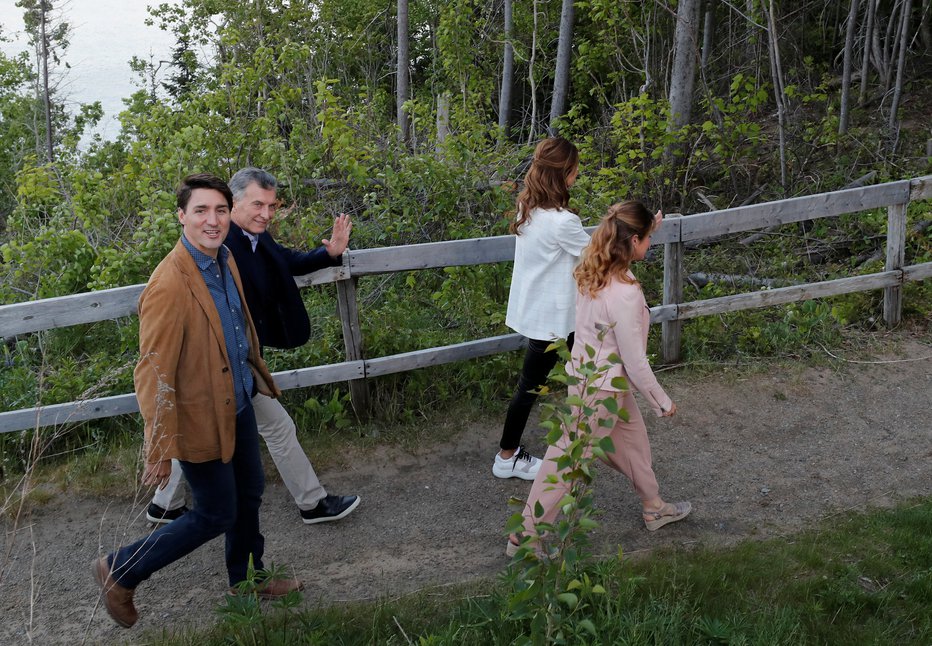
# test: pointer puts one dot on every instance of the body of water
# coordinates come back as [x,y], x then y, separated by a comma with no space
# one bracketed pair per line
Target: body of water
[105,35]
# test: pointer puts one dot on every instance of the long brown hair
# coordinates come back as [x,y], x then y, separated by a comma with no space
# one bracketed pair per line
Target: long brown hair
[610,251]
[545,183]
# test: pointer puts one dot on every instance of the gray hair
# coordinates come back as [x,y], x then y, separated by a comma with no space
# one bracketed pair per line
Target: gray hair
[243,178]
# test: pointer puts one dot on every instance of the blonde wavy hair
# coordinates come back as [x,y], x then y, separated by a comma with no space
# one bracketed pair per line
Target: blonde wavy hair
[611,250]
[554,161]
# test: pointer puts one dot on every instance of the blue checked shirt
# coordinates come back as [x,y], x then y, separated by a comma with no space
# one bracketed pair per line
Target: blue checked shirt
[222,289]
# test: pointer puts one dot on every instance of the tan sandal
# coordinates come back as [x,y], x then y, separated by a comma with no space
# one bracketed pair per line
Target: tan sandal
[669,513]
[511,548]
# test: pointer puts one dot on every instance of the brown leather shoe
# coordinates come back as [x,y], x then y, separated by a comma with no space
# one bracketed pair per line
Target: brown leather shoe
[117,599]
[274,588]
[278,588]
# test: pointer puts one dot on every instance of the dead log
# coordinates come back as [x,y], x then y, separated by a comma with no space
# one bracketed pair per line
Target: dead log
[700,279]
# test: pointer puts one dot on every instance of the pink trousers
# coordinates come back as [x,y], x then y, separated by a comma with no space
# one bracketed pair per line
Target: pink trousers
[632,457]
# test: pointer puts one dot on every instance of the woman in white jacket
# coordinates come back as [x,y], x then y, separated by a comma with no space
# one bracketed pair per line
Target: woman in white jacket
[612,317]
[541,303]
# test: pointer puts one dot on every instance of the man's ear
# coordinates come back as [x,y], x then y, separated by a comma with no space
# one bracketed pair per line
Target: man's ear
[181,216]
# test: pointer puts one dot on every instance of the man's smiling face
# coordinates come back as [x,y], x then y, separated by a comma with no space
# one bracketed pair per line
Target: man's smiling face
[206,220]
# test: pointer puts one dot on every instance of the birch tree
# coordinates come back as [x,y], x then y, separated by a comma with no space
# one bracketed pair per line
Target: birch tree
[508,71]
[866,55]
[561,81]
[683,75]
[401,71]
[900,69]
[846,67]
[776,72]
[48,34]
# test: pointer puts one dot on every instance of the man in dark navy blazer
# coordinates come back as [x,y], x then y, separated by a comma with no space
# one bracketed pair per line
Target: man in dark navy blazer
[268,270]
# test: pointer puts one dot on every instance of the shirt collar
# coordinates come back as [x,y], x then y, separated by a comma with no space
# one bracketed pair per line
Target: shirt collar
[201,259]
[253,239]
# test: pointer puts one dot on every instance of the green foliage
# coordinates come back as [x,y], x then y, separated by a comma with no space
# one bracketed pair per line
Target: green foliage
[552,590]
[332,413]
[53,263]
[863,578]
[242,607]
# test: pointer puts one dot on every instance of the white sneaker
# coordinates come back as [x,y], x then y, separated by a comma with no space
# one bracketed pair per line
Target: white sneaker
[521,465]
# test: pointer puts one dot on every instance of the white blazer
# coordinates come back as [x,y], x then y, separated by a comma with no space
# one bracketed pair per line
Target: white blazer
[541,303]
[618,309]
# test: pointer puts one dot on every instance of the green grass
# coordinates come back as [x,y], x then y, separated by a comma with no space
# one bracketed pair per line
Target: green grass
[859,579]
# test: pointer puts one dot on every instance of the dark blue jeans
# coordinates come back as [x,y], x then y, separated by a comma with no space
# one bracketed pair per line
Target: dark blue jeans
[537,365]
[226,501]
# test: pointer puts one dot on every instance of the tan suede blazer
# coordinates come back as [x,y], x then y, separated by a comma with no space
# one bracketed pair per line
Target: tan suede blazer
[183,381]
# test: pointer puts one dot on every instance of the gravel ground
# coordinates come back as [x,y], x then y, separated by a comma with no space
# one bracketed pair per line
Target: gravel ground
[760,453]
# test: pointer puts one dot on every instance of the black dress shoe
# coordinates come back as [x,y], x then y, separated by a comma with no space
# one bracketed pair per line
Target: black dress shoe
[330,508]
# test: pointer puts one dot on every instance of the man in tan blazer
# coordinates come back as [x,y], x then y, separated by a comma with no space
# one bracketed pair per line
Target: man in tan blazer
[199,367]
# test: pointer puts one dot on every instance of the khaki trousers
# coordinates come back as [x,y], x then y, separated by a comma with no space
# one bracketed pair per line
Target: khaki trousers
[278,430]
[632,457]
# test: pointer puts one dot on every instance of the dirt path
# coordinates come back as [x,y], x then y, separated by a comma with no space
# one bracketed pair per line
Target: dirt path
[758,455]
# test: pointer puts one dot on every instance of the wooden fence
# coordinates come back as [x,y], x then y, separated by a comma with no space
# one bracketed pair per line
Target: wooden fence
[23,318]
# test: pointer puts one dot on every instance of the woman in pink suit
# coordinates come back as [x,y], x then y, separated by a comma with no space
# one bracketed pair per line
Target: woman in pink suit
[611,305]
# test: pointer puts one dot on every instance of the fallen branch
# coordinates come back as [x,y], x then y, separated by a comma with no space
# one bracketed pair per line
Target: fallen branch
[700,279]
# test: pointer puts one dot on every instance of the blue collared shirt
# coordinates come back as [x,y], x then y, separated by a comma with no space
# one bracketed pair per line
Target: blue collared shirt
[216,274]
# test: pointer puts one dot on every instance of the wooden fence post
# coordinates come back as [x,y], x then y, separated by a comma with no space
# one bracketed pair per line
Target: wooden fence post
[352,339]
[896,256]
[672,331]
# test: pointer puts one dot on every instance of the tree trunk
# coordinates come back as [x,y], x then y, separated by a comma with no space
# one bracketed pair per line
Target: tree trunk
[846,67]
[708,33]
[888,47]
[46,96]
[900,70]
[561,81]
[777,74]
[925,26]
[443,120]
[683,75]
[508,72]
[530,75]
[402,70]
[865,60]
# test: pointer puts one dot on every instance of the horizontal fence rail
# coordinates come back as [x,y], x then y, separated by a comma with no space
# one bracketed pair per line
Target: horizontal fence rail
[36,316]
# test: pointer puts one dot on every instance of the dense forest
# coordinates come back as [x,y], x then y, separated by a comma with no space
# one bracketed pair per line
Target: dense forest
[417,118]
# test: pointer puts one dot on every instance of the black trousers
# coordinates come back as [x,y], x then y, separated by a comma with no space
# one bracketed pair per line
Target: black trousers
[537,365]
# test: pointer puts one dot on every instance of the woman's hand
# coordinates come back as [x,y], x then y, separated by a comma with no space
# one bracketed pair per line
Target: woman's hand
[671,411]
[658,218]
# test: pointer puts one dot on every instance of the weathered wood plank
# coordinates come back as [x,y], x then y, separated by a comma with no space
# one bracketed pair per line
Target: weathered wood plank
[663,313]
[792,294]
[353,343]
[104,305]
[450,253]
[68,413]
[323,276]
[921,188]
[672,331]
[319,375]
[34,316]
[71,412]
[446,354]
[917,272]
[896,255]
[809,207]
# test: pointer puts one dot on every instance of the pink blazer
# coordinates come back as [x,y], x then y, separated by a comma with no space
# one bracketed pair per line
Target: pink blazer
[619,309]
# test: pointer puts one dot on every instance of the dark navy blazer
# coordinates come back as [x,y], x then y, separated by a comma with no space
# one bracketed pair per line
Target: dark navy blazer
[268,283]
